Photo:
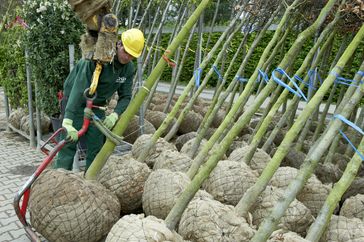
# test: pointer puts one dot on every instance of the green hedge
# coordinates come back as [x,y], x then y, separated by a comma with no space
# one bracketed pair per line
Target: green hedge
[12,66]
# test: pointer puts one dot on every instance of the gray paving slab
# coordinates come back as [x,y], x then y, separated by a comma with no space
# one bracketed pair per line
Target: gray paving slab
[17,162]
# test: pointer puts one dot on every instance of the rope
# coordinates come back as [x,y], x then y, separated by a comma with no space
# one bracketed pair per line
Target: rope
[343,119]
[197,75]
[170,62]
[299,92]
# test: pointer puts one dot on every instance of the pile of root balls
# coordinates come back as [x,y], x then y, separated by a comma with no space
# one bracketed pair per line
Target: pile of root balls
[130,199]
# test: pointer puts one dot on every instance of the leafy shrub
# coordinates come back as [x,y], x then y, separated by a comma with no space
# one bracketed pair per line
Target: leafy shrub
[52,27]
[12,66]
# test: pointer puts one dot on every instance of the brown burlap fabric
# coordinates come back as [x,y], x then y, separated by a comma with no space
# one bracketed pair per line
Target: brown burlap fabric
[125,177]
[353,207]
[173,160]
[229,181]
[206,219]
[343,229]
[297,217]
[258,162]
[139,228]
[160,146]
[65,207]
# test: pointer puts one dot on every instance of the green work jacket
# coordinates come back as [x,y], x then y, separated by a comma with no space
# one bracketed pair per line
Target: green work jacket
[114,77]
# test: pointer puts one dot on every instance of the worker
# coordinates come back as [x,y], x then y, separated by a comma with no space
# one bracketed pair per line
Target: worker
[115,76]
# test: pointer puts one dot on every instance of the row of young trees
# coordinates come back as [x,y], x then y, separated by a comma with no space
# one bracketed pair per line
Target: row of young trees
[325,25]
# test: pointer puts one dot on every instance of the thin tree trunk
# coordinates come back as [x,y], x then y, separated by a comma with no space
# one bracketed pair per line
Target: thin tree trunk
[242,98]
[252,193]
[272,111]
[133,107]
[145,12]
[186,196]
[166,122]
[136,14]
[179,71]
[318,227]
[214,108]
[211,28]
[310,163]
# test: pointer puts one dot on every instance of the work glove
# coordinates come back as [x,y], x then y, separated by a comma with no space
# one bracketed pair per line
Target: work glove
[71,131]
[110,120]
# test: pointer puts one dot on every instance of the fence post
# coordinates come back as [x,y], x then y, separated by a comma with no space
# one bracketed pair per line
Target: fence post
[30,98]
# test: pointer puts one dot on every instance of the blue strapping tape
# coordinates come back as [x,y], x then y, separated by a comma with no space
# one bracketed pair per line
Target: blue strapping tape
[361,73]
[343,119]
[197,74]
[280,82]
[217,72]
[241,79]
[263,75]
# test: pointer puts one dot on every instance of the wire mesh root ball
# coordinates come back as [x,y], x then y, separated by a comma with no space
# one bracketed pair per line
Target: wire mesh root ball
[125,177]
[229,181]
[161,191]
[139,228]
[173,160]
[258,161]
[297,217]
[343,229]
[206,219]
[353,207]
[65,207]
[144,141]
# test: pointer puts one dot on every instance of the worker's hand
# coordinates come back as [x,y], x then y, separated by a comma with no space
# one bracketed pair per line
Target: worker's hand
[71,131]
[110,120]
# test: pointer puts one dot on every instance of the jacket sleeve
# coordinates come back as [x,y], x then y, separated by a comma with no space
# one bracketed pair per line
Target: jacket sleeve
[81,79]
[125,92]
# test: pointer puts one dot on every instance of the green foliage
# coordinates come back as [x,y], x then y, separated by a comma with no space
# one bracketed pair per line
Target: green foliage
[52,27]
[12,66]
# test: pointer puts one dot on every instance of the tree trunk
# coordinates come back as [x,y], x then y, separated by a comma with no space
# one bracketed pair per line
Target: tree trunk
[133,107]
[314,156]
[251,195]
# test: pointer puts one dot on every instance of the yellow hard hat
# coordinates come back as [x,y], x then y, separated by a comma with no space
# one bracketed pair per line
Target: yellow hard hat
[133,42]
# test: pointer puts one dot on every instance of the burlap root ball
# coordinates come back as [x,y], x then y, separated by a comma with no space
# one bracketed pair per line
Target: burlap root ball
[356,187]
[235,145]
[173,160]
[161,191]
[294,158]
[282,235]
[313,194]
[229,181]
[182,139]
[218,118]
[297,217]
[187,147]
[139,228]
[343,229]
[190,123]
[143,141]
[328,173]
[353,207]
[258,161]
[156,118]
[65,207]
[125,177]
[16,116]
[45,122]
[132,132]
[206,219]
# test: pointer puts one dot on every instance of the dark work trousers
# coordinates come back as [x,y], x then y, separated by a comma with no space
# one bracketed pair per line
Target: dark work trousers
[93,140]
